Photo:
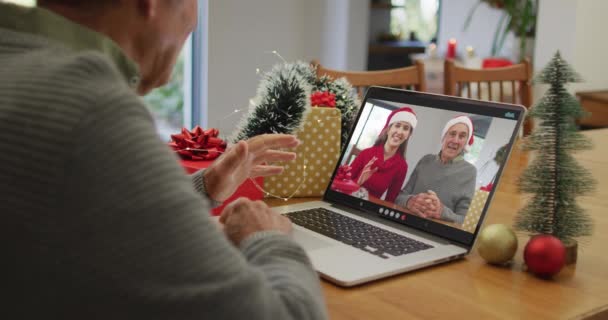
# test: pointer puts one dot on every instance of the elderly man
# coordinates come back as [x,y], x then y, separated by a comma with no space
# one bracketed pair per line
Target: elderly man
[98,219]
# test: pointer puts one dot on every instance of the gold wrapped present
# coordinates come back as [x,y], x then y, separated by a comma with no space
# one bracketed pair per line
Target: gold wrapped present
[475,209]
[309,174]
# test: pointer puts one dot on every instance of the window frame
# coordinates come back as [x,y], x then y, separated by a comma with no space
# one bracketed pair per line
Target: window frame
[434,39]
[196,86]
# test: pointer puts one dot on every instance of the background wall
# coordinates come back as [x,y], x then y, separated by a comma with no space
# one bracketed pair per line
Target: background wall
[243,33]
[498,135]
[344,32]
[590,44]
[480,32]
[574,27]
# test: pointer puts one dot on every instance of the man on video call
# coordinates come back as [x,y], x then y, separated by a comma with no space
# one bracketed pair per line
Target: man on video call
[99,219]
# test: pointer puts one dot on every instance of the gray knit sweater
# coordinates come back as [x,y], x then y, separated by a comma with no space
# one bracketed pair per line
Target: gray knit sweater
[99,221]
[454,184]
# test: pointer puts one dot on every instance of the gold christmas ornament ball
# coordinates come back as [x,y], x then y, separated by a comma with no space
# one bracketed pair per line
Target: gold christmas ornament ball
[497,244]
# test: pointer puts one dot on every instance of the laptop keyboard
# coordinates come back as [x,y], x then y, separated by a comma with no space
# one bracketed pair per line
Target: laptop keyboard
[358,234]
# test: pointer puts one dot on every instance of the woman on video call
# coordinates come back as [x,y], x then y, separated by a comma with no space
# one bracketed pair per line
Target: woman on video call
[383,166]
[442,185]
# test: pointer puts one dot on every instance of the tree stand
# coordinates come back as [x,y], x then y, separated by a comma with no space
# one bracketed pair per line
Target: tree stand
[571,251]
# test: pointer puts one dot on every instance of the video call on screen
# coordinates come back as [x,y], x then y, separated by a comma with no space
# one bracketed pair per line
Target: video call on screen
[449,179]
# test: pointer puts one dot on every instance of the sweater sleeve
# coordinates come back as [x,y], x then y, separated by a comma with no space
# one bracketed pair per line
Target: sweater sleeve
[462,205]
[198,181]
[141,241]
[407,192]
[396,183]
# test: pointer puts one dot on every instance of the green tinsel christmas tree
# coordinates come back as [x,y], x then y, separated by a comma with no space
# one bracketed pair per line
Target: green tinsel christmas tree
[554,178]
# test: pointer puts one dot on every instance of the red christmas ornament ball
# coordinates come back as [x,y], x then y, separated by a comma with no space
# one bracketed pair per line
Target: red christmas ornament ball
[545,255]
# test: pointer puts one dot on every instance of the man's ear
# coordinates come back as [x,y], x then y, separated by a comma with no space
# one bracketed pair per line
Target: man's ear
[147,8]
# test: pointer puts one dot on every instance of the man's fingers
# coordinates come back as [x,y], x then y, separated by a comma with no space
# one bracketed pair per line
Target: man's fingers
[265,171]
[287,224]
[225,213]
[234,156]
[421,211]
[420,207]
[418,201]
[261,143]
[274,156]
[229,208]
[418,212]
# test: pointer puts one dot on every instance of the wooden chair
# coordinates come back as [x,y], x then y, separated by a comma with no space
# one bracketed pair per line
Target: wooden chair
[405,78]
[489,84]
[354,152]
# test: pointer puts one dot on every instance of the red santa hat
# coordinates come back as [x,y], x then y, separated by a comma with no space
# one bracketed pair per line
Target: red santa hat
[464,120]
[402,114]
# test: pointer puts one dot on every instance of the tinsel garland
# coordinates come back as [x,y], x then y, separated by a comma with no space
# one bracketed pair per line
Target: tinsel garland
[554,178]
[346,101]
[283,101]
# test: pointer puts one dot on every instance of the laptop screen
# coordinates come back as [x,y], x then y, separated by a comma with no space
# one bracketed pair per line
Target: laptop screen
[428,161]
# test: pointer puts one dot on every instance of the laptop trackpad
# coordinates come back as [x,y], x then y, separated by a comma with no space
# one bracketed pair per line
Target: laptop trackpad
[309,242]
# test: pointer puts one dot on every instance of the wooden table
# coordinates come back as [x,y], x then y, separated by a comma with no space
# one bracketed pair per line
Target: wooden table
[595,102]
[472,289]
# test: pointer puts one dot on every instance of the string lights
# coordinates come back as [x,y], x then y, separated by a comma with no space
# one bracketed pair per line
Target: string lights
[269,194]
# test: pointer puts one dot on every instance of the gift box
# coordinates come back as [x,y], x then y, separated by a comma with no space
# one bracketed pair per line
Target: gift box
[347,187]
[343,181]
[247,190]
[475,209]
[317,155]
[198,148]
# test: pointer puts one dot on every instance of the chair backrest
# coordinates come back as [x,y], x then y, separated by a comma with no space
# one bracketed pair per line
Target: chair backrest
[404,78]
[510,84]
[354,152]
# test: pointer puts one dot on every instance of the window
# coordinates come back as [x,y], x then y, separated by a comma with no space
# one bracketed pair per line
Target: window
[375,118]
[178,104]
[167,102]
[28,3]
[481,125]
[415,19]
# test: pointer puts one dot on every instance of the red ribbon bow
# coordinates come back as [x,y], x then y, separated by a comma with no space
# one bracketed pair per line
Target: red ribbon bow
[487,187]
[323,99]
[198,144]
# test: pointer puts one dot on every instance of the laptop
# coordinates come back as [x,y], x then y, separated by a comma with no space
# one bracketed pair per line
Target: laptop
[354,237]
